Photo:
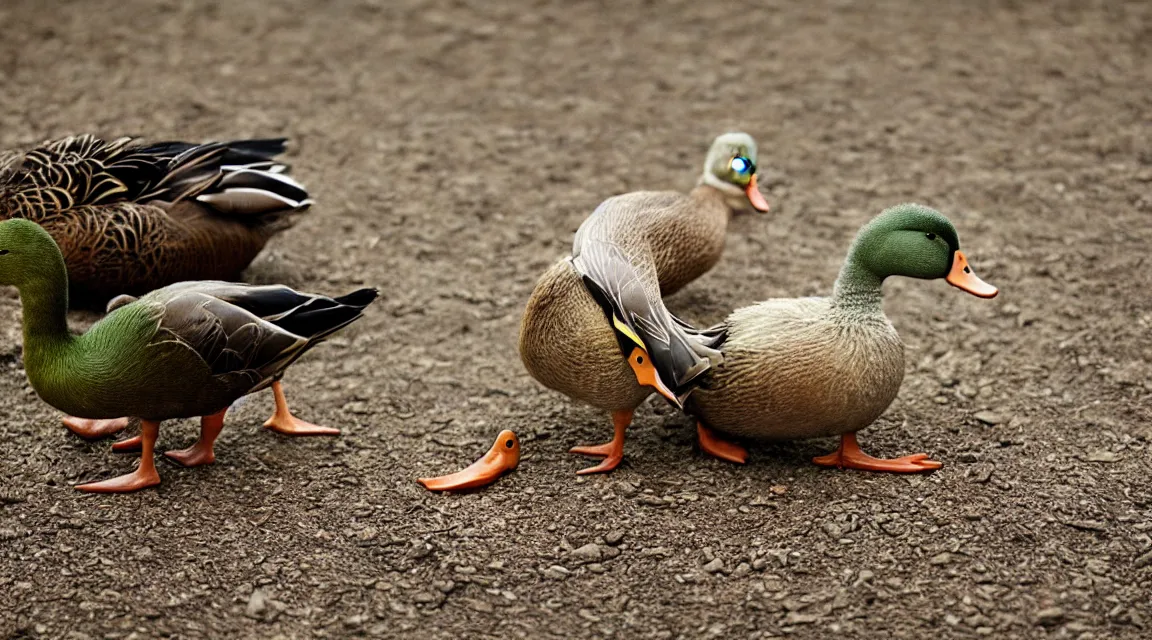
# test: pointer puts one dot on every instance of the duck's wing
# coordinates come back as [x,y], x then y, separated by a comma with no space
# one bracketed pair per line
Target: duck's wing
[237,178]
[306,314]
[623,281]
[248,335]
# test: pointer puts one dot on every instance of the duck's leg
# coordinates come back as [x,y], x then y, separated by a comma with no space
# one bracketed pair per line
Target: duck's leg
[613,451]
[201,453]
[145,474]
[714,445]
[284,422]
[849,456]
[93,429]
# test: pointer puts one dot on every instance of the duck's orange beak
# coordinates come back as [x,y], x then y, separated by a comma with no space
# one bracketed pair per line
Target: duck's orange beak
[646,375]
[755,197]
[961,277]
[503,456]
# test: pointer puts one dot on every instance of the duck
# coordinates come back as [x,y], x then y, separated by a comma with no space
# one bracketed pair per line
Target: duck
[797,368]
[190,349]
[595,327]
[132,217]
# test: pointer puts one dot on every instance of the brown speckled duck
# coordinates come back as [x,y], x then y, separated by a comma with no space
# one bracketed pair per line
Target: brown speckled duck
[130,218]
[817,367]
[596,328]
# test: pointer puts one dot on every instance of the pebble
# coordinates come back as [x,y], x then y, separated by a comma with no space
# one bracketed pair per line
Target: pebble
[940,559]
[1050,617]
[1144,560]
[715,566]
[796,617]
[556,572]
[257,604]
[1103,456]
[1087,525]
[590,552]
[614,538]
[989,418]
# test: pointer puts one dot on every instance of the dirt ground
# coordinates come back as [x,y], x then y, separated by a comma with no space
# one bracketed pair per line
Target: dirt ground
[453,148]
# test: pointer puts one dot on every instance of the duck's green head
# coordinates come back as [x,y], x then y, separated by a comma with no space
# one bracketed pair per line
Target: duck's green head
[918,242]
[731,168]
[27,252]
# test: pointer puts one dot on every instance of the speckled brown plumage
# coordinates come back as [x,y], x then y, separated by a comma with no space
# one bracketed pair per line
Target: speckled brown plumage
[131,218]
[801,368]
[567,344]
[683,233]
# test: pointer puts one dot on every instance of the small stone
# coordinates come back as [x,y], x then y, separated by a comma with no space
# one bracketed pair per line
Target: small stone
[651,500]
[257,604]
[715,566]
[556,572]
[990,418]
[741,570]
[483,606]
[759,564]
[1050,617]
[1103,456]
[1144,560]
[590,552]
[796,617]
[940,559]
[778,489]
[1087,525]
[614,538]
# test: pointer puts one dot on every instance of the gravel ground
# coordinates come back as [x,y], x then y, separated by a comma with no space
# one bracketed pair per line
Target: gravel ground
[453,148]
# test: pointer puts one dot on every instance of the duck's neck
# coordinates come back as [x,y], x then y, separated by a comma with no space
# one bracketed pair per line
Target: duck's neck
[858,290]
[45,302]
[725,201]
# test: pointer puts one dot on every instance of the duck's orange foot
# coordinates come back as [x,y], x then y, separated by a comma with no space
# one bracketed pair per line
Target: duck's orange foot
[193,456]
[613,451]
[139,479]
[607,464]
[850,456]
[282,421]
[290,425]
[93,429]
[713,445]
[127,445]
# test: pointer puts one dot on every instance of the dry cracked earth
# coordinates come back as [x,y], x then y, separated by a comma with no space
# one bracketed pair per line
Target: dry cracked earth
[453,148]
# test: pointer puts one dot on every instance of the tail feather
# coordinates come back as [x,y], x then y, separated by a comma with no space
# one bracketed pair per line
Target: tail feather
[238,178]
[321,316]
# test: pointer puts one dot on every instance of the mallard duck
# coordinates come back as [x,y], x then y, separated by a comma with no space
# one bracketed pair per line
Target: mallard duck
[817,367]
[189,349]
[596,328]
[130,218]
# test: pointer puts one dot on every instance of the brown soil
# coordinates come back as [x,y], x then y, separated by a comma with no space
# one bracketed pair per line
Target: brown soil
[453,148]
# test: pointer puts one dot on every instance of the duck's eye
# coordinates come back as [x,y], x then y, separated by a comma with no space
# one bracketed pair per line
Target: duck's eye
[930,236]
[742,165]
[510,444]
[639,359]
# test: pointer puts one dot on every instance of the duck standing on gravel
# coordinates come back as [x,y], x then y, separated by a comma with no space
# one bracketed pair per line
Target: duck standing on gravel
[596,328]
[189,349]
[818,367]
[131,218]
